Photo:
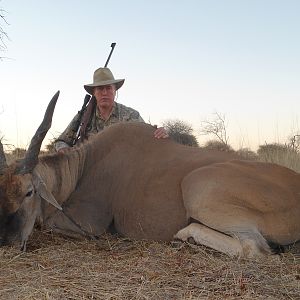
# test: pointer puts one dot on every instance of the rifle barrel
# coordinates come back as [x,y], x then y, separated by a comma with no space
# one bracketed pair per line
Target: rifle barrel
[111,51]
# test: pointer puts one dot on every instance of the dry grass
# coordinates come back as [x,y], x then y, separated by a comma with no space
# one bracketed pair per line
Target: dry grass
[289,159]
[56,267]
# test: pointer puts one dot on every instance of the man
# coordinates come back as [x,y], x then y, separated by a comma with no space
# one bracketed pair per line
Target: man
[107,111]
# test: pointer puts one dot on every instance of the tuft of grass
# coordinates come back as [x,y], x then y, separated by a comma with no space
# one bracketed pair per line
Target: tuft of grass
[56,267]
[280,154]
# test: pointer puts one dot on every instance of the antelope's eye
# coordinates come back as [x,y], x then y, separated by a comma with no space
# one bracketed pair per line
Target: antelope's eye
[29,193]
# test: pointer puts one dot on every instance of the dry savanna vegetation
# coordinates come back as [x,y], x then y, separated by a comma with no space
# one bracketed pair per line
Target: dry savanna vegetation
[57,267]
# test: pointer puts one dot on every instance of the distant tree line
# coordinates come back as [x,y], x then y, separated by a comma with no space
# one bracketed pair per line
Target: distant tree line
[181,132]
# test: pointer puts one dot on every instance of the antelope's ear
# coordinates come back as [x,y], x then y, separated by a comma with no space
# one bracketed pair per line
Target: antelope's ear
[42,190]
[46,195]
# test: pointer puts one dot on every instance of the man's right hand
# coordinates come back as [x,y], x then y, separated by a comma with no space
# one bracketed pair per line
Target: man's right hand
[61,146]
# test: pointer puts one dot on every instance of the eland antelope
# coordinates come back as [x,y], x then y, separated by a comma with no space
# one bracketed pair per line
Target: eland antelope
[149,189]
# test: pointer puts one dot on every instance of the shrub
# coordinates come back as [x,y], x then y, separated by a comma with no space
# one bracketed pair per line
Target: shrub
[246,153]
[280,154]
[218,145]
[181,132]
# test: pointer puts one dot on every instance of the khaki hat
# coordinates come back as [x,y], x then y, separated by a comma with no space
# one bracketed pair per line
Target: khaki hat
[103,76]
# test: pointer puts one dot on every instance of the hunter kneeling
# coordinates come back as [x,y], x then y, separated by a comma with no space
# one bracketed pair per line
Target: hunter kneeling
[101,111]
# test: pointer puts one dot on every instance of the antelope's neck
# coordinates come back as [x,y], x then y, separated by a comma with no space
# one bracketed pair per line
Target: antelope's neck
[61,172]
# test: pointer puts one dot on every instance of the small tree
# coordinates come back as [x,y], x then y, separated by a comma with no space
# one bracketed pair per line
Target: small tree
[217,145]
[50,147]
[217,127]
[281,154]
[3,34]
[294,143]
[18,153]
[271,149]
[246,153]
[181,132]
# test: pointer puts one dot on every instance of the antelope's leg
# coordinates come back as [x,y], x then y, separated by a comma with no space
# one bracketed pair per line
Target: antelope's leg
[230,218]
[232,246]
[211,238]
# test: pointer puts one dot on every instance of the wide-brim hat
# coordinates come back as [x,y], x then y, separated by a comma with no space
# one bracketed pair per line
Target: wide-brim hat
[103,76]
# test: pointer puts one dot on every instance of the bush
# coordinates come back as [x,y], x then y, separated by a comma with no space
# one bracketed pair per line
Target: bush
[218,145]
[280,154]
[181,132]
[49,148]
[246,153]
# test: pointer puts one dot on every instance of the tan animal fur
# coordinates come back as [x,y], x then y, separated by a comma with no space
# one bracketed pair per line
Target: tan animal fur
[153,189]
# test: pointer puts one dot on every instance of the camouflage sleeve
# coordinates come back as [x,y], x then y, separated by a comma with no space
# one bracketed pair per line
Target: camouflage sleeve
[128,114]
[135,116]
[68,135]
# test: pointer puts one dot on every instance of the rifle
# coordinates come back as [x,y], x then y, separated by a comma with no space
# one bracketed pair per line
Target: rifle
[84,115]
[78,124]
[110,53]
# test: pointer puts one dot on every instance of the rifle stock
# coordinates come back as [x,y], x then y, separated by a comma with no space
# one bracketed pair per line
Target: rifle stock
[78,124]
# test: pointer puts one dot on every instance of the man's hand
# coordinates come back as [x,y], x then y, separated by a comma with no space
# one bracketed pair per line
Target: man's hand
[61,146]
[64,149]
[161,133]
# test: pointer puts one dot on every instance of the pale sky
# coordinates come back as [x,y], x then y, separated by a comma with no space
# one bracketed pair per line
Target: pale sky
[180,60]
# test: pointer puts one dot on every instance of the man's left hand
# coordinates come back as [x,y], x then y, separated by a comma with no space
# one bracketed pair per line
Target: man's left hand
[161,133]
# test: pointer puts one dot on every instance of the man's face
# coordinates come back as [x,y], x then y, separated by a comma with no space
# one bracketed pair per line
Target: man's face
[105,95]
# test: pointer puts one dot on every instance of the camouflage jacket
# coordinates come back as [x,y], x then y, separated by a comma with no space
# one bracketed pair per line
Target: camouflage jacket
[120,113]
